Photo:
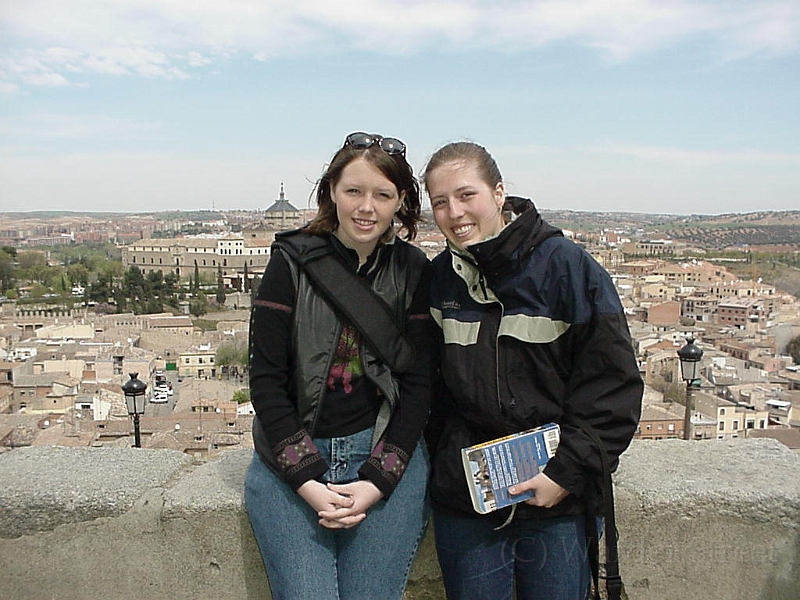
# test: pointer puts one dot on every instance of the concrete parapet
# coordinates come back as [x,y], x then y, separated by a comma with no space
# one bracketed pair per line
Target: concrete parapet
[716,519]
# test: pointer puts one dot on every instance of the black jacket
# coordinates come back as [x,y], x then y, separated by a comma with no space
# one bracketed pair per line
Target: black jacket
[294,333]
[534,332]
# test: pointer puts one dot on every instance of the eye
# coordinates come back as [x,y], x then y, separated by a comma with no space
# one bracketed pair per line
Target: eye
[438,202]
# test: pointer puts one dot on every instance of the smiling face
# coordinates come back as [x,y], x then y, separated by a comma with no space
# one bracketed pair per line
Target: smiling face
[365,203]
[465,207]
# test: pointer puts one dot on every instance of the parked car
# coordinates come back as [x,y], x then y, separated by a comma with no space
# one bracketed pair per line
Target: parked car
[163,388]
[159,397]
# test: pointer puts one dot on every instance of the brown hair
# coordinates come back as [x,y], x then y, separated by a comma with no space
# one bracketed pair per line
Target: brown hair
[393,166]
[465,151]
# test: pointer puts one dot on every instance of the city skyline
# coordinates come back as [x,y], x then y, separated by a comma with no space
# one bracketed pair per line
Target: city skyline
[680,107]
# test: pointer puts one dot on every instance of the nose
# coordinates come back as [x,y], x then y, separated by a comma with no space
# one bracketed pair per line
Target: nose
[454,209]
[367,203]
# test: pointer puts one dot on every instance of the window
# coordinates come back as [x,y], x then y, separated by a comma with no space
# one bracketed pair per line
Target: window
[751,424]
[736,425]
[671,427]
[762,424]
[721,412]
[722,425]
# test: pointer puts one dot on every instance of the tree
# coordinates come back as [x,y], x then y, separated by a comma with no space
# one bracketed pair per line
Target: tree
[231,355]
[220,287]
[33,267]
[7,269]
[793,349]
[196,279]
[31,259]
[246,283]
[254,287]
[133,288]
[198,306]
[153,293]
[172,289]
[241,396]
[78,274]
[101,289]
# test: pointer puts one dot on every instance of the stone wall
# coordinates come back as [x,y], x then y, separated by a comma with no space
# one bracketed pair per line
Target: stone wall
[716,519]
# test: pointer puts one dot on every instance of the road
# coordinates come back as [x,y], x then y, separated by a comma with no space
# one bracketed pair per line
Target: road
[165,409]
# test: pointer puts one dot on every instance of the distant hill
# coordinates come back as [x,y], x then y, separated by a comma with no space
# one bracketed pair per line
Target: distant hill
[760,229]
[770,230]
[46,215]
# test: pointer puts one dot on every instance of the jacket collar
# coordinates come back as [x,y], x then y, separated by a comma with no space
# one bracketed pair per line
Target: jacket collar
[303,246]
[504,253]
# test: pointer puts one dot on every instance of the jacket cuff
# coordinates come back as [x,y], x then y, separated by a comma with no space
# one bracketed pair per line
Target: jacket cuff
[385,467]
[299,460]
[566,474]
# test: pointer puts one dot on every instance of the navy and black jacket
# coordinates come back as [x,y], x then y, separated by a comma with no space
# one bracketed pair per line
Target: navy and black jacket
[534,332]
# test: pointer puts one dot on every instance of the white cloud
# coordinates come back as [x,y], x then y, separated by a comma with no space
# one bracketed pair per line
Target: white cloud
[8,88]
[695,157]
[44,79]
[169,38]
[50,125]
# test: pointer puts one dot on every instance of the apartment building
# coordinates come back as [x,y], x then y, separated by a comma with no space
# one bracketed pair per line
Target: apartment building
[235,256]
[198,362]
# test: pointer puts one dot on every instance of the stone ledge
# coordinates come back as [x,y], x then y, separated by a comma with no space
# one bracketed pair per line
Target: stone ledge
[47,486]
[716,519]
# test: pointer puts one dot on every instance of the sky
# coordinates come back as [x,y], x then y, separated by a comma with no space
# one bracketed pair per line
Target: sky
[654,106]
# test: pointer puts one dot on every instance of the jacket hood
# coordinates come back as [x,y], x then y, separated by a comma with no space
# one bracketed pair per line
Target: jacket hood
[501,254]
[301,245]
[305,247]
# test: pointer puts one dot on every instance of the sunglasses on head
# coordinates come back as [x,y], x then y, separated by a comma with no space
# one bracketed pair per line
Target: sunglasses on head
[361,140]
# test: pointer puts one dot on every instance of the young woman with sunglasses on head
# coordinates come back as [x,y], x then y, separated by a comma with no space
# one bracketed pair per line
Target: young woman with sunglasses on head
[336,489]
[533,332]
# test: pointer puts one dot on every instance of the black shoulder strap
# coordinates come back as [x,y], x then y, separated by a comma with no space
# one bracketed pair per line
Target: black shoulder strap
[614,586]
[363,308]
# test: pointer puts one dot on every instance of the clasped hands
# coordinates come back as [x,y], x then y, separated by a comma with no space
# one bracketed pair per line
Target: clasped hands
[340,506]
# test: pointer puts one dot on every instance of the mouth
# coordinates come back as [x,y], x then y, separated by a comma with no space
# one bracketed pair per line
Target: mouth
[364,223]
[463,230]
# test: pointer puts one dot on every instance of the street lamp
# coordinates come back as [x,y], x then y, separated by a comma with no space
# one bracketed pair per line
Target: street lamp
[134,390]
[689,356]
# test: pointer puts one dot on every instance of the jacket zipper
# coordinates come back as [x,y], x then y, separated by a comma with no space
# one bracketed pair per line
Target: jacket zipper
[324,389]
[497,358]
[496,345]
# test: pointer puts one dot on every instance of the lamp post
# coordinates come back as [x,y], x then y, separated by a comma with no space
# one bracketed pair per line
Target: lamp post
[134,390]
[689,356]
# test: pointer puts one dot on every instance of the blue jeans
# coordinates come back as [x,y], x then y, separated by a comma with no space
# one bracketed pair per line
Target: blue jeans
[539,559]
[305,561]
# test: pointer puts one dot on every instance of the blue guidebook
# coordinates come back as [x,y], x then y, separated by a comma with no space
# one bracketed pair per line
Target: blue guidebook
[492,467]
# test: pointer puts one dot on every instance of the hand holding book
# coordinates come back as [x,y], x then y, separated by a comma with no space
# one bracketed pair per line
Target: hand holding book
[546,492]
[515,462]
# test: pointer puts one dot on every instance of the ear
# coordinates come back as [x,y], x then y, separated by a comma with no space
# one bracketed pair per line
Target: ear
[401,204]
[500,195]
